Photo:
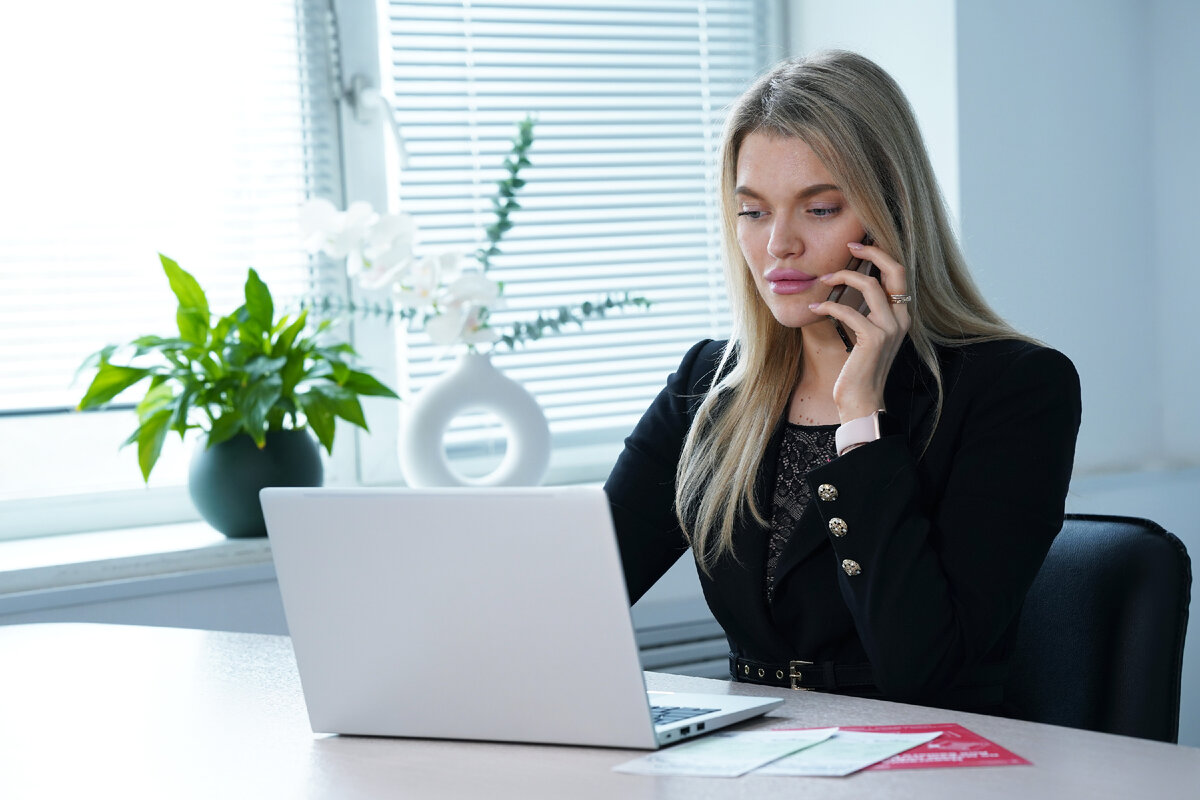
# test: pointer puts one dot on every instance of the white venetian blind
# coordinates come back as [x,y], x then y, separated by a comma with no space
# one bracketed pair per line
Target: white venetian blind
[138,127]
[629,98]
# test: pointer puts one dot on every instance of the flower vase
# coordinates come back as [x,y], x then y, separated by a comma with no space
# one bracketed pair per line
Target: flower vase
[474,384]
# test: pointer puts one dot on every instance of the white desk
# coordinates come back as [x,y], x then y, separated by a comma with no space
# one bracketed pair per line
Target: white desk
[104,710]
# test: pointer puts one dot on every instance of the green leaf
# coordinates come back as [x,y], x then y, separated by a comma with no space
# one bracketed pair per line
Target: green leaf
[192,315]
[150,437]
[341,402]
[95,360]
[179,413]
[288,337]
[157,397]
[340,371]
[109,382]
[259,305]
[259,365]
[224,428]
[319,413]
[364,384]
[250,332]
[256,403]
[186,288]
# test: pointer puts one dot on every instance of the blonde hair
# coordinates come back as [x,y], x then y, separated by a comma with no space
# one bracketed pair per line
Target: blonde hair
[858,122]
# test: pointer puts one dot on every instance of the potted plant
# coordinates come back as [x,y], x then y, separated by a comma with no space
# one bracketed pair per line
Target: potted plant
[255,384]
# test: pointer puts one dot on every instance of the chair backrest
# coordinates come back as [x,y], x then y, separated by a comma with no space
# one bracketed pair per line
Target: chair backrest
[1100,640]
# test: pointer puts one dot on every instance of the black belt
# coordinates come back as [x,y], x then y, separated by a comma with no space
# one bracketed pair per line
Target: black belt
[982,685]
[826,675]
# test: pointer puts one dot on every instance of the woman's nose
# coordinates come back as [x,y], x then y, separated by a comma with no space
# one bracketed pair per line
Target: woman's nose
[785,241]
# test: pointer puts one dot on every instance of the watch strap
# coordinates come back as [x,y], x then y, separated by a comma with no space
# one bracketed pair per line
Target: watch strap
[857,431]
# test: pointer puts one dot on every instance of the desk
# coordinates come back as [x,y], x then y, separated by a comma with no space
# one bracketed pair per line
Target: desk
[107,710]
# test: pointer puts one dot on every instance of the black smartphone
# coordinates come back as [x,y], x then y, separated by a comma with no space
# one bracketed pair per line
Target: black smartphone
[849,296]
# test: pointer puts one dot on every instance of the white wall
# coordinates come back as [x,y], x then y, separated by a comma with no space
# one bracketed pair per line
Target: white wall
[1175,64]
[915,42]
[1058,195]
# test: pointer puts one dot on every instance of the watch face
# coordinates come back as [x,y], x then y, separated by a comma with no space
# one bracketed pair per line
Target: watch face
[888,425]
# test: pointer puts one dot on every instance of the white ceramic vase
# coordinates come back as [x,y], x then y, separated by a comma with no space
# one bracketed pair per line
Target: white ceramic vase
[474,384]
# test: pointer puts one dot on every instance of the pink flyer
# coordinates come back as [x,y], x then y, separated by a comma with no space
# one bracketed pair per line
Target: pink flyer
[956,747]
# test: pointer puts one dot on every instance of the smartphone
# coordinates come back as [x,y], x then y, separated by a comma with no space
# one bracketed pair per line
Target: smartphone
[849,296]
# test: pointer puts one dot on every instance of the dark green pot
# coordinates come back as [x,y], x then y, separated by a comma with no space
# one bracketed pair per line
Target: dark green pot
[224,480]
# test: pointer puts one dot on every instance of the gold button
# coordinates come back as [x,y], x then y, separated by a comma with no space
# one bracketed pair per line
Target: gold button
[827,492]
[851,568]
[838,526]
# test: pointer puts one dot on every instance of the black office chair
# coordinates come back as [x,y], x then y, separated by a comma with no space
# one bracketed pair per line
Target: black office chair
[1100,640]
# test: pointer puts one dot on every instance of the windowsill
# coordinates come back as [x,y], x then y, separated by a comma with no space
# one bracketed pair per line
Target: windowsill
[73,560]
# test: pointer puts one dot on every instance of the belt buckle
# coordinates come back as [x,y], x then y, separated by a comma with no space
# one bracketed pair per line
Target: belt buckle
[794,672]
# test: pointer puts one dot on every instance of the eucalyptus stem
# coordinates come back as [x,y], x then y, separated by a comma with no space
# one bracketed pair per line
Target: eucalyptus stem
[505,202]
[567,315]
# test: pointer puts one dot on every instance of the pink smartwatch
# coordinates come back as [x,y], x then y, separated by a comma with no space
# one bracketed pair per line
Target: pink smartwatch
[861,430]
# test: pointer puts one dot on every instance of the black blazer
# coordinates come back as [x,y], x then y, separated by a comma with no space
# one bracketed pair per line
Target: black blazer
[949,538]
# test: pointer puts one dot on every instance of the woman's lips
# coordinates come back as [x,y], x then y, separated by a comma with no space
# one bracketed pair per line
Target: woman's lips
[789,281]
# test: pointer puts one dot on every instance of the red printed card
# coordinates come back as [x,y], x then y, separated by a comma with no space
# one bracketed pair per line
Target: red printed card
[956,747]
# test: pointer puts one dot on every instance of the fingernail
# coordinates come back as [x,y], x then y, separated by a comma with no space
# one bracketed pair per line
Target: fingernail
[854,245]
[813,306]
[826,278]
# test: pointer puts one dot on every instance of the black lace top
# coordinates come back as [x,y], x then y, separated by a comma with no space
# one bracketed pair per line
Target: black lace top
[804,448]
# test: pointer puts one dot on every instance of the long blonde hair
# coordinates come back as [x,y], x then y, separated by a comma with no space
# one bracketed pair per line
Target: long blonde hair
[858,122]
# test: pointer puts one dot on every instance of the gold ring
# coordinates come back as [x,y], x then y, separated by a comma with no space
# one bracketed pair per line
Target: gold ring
[900,299]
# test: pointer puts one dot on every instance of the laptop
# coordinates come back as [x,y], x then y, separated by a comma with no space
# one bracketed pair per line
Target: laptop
[495,614]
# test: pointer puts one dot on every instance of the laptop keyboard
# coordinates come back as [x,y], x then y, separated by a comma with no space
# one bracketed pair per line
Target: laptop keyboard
[663,715]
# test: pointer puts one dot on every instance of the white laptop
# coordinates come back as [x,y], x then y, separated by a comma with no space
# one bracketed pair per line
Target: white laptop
[491,614]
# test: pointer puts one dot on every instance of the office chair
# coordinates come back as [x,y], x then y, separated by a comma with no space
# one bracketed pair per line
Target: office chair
[1100,640]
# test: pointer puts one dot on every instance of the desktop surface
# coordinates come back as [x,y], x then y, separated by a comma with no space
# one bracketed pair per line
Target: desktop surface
[91,709]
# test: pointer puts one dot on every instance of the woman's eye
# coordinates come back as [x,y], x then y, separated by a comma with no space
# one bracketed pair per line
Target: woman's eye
[751,213]
[825,212]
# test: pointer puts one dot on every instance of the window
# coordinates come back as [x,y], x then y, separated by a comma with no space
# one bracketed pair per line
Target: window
[146,127]
[629,99]
[140,127]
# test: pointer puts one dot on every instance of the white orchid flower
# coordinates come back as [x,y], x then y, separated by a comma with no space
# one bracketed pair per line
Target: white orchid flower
[389,233]
[387,252]
[420,289]
[473,288]
[336,233]
[474,332]
[318,219]
[447,327]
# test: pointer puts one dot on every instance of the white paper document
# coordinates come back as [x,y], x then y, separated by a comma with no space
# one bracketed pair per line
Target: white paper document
[846,752]
[725,755]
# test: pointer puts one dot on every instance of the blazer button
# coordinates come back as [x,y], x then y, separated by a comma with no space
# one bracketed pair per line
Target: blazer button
[838,527]
[827,492]
[851,568]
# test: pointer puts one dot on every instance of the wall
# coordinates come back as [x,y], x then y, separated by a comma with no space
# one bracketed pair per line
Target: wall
[1058,190]
[915,42]
[1175,63]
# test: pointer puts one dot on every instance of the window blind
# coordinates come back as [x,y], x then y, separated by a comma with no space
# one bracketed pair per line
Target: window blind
[197,135]
[629,100]
[147,127]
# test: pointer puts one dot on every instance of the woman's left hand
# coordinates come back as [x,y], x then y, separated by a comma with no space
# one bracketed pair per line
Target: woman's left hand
[858,390]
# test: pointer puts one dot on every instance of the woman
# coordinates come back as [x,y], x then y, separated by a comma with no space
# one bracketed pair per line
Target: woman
[867,520]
